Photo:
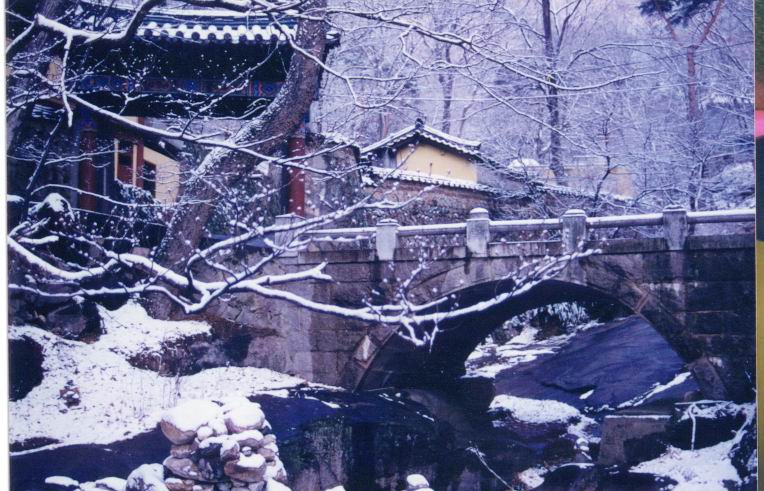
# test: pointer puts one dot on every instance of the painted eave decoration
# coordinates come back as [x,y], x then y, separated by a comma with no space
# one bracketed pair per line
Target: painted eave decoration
[199,25]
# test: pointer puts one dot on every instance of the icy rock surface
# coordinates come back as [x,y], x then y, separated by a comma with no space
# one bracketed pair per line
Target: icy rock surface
[417,482]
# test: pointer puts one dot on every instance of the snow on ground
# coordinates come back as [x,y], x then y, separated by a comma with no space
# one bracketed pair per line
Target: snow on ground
[118,400]
[706,468]
[130,330]
[693,470]
[535,411]
[522,348]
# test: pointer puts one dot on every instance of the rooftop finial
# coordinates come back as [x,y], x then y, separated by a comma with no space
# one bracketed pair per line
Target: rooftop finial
[419,123]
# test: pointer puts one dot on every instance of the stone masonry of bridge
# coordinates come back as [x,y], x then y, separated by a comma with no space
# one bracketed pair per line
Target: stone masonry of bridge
[698,292]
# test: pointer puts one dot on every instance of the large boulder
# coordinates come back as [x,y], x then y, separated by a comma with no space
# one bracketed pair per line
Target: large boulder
[75,320]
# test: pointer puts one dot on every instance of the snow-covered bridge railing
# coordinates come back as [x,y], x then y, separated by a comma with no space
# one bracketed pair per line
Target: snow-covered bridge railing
[574,224]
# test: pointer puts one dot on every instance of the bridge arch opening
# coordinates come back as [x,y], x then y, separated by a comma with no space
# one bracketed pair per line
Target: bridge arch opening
[398,363]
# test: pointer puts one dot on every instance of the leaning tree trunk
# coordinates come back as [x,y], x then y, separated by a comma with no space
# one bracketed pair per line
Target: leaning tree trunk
[222,167]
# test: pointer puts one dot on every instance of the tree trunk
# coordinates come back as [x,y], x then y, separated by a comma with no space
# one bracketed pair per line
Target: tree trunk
[221,167]
[693,122]
[552,100]
[446,80]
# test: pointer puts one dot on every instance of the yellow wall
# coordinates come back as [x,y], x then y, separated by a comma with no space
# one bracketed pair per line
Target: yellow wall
[430,160]
[168,175]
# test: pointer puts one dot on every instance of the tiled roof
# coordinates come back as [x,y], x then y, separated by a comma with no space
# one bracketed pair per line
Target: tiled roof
[412,176]
[234,29]
[468,147]
[199,24]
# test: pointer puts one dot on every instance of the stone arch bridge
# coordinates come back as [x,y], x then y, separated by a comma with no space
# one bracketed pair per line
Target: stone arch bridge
[697,290]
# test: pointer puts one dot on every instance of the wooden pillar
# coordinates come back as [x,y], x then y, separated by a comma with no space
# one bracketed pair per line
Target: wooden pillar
[138,159]
[138,163]
[296,148]
[87,172]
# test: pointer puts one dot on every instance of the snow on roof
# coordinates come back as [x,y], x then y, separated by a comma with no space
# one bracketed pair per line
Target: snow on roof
[469,147]
[413,176]
[203,24]
[241,31]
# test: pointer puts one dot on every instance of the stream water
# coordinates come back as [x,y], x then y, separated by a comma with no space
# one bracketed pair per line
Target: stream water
[372,441]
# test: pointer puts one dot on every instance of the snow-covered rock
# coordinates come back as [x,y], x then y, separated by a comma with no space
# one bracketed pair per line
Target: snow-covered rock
[247,469]
[244,417]
[532,477]
[275,486]
[252,439]
[241,458]
[183,451]
[108,484]
[183,468]
[180,424]
[706,468]
[148,477]
[269,451]
[62,482]
[275,471]
[534,411]
[130,331]
[229,450]
[415,482]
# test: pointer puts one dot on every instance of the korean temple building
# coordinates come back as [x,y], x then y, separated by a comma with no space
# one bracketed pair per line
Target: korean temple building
[232,64]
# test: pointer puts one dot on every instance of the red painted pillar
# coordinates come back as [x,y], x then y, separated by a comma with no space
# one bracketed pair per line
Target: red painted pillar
[296,147]
[88,177]
[138,158]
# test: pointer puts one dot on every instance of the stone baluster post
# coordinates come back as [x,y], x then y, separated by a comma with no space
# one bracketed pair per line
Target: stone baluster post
[573,230]
[675,227]
[478,232]
[387,239]
[282,239]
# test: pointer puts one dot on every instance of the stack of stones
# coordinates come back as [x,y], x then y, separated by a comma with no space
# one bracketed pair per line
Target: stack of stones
[221,446]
